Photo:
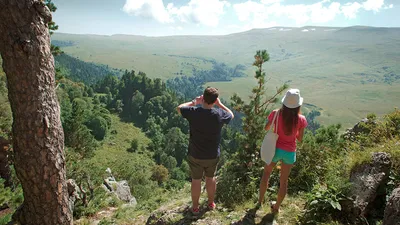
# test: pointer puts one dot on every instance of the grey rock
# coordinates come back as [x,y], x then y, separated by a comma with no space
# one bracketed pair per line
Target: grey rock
[392,210]
[121,189]
[367,178]
[73,193]
[351,133]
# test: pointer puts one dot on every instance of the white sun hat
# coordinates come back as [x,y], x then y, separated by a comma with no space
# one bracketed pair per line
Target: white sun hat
[292,98]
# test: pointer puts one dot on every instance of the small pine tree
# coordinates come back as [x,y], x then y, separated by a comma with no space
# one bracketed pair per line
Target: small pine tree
[55,50]
[240,176]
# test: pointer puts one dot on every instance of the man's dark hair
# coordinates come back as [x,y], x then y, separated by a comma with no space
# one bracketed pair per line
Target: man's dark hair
[210,95]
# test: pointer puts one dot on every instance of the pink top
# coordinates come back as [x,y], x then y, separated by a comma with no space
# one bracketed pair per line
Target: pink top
[284,142]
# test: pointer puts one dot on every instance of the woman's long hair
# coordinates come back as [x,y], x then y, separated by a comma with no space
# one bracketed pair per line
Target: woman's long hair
[290,119]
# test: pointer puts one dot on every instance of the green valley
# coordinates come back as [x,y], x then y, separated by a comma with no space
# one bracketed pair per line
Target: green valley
[344,71]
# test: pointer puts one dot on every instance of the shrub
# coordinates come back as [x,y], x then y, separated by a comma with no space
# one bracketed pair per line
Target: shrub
[313,158]
[101,199]
[323,205]
[98,126]
[160,174]
[134,145]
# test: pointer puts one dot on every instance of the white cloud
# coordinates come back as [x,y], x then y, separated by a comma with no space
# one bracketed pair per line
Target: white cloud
[350,10]
[266,2]
[177,28]
[206,12]
[247,9]
[374,5]
[388,6]
[148,9]
[259,12]
[322,14]
[319,12]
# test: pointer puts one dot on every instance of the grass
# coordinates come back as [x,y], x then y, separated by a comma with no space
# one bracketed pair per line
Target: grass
[5,218]
[392,147]
[115,145]
[174,209]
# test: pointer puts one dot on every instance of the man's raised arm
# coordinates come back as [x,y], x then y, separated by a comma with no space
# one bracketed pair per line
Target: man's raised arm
[196,101]
[222,106]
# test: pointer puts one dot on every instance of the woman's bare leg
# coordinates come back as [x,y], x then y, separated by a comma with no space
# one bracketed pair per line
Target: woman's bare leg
[264,181]
[285,171]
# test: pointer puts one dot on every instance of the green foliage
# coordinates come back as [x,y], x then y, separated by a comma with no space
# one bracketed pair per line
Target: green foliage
[314,156]
[86,72]
[323,205]
[151,106]
[134,145]
[5,219]
[9,197]
[240,176]
[378,136]
[160,174]
[10,200]
[101,199]
[168,161]
[176,144]
[5,108]
[55,50]
[188,87]
[107,221]
[392,121]
[339,158]
[98,126]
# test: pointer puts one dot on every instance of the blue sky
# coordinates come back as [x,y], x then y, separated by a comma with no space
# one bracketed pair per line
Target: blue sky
[217,17]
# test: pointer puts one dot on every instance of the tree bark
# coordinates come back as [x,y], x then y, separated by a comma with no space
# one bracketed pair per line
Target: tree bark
[38,140]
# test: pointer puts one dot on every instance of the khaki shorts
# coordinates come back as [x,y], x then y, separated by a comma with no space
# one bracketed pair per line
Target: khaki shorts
[200,167]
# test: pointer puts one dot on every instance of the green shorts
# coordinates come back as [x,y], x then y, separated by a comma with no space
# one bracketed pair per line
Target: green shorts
[284,156]
[200,167]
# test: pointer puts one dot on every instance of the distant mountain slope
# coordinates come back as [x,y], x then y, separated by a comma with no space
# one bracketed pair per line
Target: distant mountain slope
[82,71]
[344,71]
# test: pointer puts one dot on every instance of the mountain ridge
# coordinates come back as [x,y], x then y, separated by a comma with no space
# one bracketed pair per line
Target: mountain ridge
[253,29]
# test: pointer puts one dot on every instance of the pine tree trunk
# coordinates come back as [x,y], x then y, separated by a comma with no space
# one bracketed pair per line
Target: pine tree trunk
[38,139]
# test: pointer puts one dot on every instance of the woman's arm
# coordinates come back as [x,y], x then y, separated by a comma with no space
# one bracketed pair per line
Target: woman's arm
[267,126]
[300,135]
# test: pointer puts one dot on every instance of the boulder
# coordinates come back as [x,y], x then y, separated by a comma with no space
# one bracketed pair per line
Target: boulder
[359,128]
[121,189]
[368,180]
[73,193]
[392,210]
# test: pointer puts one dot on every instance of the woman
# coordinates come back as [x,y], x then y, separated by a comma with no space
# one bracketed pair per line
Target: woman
[291,126]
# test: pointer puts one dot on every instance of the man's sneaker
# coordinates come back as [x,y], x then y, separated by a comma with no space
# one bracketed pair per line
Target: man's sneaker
[211,206]
[195,211]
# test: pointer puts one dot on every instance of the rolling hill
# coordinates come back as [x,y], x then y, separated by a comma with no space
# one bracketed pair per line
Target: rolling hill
[346,72]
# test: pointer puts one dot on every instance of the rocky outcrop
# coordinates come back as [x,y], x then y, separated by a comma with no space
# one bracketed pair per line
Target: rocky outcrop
[368,180]
[120,188]
[73,193]
[359,128]
[392,211]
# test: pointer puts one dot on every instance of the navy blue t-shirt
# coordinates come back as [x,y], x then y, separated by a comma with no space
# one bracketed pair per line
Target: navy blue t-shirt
[205,130]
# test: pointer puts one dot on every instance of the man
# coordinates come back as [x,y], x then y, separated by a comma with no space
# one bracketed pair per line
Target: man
[205,124]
